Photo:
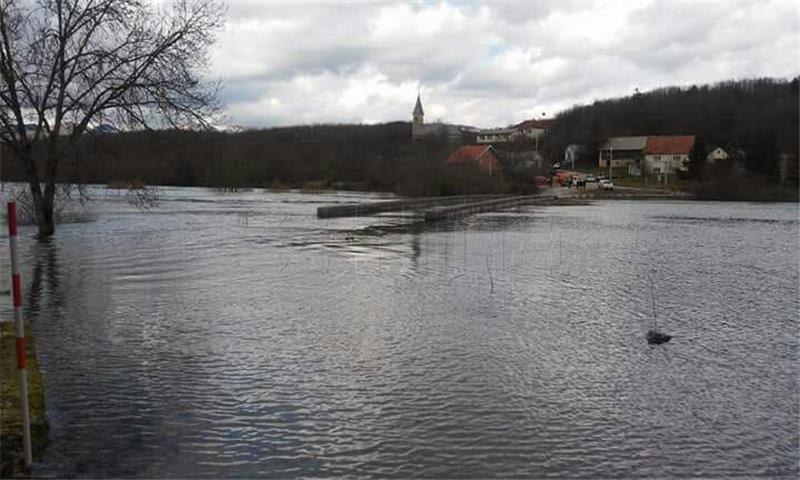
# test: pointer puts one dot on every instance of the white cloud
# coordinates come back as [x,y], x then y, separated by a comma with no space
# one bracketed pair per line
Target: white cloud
[484,64]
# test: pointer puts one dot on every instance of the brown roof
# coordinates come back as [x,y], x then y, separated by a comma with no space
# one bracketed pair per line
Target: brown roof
[482,154]
[669,144]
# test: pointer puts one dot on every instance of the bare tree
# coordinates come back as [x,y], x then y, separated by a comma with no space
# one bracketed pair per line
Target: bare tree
[70,65]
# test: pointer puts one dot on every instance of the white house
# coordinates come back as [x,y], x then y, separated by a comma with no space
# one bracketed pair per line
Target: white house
[667,153]
[495,135]
[526,131]
[533,129]
[716,155]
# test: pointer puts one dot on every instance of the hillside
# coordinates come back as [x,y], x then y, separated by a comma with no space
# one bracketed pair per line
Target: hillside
[759,116]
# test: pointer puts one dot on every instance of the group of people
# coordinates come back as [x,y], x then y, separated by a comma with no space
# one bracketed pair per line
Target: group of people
[576,182]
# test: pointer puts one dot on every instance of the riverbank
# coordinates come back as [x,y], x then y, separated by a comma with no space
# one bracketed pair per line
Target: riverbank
[722,186]
[10,414]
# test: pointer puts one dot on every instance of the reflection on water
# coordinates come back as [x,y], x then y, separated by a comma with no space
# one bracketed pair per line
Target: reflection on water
[238,335]
[44,277]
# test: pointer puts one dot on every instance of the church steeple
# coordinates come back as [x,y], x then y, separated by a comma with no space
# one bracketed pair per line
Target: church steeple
[419,113]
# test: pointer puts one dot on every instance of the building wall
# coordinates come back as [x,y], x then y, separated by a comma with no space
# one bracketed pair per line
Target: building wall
[665,163]
[489,163]
[620,158]
[532,132]
[493,137]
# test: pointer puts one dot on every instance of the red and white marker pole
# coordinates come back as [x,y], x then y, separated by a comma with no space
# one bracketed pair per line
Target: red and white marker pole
[19,326]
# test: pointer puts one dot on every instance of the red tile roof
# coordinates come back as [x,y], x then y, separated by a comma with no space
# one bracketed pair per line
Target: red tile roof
[669,144]
[482,154]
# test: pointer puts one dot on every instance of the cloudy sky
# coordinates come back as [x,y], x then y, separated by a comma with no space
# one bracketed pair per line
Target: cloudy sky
[483,64]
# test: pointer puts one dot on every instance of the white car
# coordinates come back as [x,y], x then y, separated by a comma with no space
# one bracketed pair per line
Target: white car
[605,184]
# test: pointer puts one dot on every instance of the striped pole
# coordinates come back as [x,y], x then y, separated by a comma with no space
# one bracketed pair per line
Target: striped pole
[16,285]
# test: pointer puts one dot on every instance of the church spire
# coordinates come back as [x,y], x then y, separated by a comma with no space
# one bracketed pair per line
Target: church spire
[418,107]
[419,114]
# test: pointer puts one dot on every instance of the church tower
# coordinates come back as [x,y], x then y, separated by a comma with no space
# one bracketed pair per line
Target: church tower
[418,119]
[419,114]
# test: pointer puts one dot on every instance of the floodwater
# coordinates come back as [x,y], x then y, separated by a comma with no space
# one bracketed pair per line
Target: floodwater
[236,335]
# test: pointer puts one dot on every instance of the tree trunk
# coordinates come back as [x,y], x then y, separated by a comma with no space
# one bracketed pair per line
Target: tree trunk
[46,220]
[39,207]
[43,204]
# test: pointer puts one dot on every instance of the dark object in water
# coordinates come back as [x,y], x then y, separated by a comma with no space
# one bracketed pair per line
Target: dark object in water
[657,338]
[654,337]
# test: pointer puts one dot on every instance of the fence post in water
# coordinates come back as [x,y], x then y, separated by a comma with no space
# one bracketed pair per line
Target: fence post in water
[19,327]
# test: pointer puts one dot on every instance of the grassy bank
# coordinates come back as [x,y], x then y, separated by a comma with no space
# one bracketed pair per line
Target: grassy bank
[10,414]
[717,185]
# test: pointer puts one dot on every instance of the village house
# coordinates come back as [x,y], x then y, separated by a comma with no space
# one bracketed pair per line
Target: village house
[716,155]
[496,135]
[731,160]
[528,130]
[623,152]
[652,154]
[483,156]
[532,129]
[667,154]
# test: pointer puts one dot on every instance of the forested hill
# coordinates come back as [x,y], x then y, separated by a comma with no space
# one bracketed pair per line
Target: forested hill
[379,156]
[759,116]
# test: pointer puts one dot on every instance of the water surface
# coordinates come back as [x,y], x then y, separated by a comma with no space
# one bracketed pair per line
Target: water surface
[238,335]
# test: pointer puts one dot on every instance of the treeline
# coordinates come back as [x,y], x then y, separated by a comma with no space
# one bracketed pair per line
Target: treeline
[370,157]
[377,156]
[757,117]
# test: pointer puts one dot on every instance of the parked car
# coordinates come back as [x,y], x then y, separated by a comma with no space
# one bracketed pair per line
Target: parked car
[566,181]
[542,181]
[590,179]
[605,185]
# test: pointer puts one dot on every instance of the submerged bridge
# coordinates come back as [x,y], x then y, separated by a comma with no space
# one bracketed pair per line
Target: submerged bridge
[437,208]
[440,208]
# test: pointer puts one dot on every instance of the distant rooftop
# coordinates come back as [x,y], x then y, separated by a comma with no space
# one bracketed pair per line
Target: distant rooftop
[625,143]
[669,144]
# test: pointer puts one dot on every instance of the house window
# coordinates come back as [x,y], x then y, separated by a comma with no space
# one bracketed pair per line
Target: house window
[657,158]
[676,158]
[656,170]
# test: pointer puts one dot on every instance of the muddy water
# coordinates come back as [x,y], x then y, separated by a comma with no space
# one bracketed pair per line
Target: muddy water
[238,335]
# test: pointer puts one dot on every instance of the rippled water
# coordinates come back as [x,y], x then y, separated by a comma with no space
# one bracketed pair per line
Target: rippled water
[238,335]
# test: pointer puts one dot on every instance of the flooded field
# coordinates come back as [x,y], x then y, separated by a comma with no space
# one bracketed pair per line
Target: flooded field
[239,335]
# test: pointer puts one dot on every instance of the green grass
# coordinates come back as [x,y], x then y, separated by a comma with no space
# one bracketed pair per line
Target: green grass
[636,182]
[10,413]
[651,182]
